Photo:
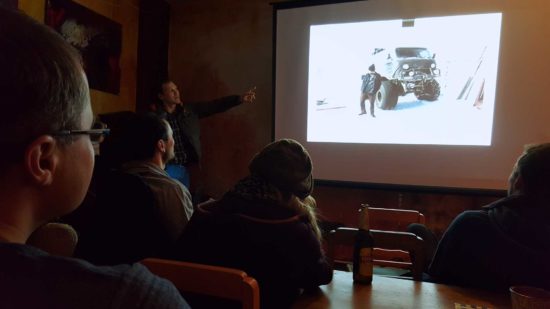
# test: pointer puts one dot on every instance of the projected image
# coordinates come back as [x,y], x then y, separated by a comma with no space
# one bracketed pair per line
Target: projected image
[413,81]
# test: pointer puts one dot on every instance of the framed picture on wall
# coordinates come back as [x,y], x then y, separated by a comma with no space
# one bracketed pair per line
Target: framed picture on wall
[98,38]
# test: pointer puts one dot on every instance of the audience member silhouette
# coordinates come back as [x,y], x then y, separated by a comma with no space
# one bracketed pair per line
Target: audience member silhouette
[507,242]
[45,168]
[266,226]
[138,210]
[151,145]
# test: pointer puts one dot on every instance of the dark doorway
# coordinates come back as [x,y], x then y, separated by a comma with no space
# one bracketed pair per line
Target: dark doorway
[154,30]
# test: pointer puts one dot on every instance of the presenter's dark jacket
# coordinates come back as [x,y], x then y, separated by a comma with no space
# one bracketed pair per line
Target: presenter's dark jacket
[188,114]
[506,243]
[270,243]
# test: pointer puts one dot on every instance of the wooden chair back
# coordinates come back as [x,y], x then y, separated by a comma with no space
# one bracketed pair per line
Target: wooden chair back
[408,242]
[389,219]
[221,282]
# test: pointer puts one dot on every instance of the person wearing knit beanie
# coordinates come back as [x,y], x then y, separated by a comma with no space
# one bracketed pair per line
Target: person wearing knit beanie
[265,225]
[287,165]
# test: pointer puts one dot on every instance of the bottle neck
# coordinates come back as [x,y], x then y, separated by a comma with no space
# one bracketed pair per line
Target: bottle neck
[364,218]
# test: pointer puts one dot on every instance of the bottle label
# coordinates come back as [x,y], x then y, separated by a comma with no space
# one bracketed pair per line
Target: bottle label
[365,262]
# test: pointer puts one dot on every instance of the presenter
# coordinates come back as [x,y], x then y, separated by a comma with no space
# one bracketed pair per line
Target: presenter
[184,118]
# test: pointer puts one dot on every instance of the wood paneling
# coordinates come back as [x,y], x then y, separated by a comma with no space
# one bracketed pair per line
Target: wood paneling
[219,48]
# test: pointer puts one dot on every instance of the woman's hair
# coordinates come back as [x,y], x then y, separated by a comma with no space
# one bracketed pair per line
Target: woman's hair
[287,166]
[307,207]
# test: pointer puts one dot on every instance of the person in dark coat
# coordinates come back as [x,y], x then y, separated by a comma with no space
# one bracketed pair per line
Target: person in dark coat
[266,225]
[507,242]
[183,118]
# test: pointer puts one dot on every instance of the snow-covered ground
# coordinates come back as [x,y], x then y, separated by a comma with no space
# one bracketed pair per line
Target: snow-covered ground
[446,121]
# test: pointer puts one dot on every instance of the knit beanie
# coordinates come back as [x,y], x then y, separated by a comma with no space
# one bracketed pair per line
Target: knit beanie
[285,164]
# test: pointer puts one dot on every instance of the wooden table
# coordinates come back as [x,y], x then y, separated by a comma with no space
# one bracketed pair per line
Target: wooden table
[390,292]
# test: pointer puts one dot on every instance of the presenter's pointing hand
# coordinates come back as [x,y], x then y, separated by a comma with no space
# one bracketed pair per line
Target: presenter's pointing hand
[249,96]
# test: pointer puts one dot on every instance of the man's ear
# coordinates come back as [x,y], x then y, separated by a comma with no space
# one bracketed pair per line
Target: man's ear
[161,146]
[518,184]
[41,160]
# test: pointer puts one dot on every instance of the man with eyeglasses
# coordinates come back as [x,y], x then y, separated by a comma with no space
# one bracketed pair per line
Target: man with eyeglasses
[45,168]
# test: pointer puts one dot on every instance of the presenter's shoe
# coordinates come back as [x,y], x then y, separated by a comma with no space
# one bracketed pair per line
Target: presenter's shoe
[362,113]
[373,116]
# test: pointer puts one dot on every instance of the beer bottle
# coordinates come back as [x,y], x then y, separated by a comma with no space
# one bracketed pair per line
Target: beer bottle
[362,250]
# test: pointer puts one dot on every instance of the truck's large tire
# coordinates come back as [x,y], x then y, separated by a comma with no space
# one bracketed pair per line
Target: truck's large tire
[431,91]
[386,97]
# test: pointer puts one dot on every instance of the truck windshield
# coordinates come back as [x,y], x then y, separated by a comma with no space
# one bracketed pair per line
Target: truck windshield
[412,52]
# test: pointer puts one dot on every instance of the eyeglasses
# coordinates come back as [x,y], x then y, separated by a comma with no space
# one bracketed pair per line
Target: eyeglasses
[95,134]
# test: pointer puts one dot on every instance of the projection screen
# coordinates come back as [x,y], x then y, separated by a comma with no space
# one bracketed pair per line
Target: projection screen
[461,88]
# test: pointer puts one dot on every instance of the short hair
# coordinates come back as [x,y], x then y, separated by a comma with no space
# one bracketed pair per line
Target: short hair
[159,89]
[372,68]
[43,88]
[534,168]
[142,134]
[160,85]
